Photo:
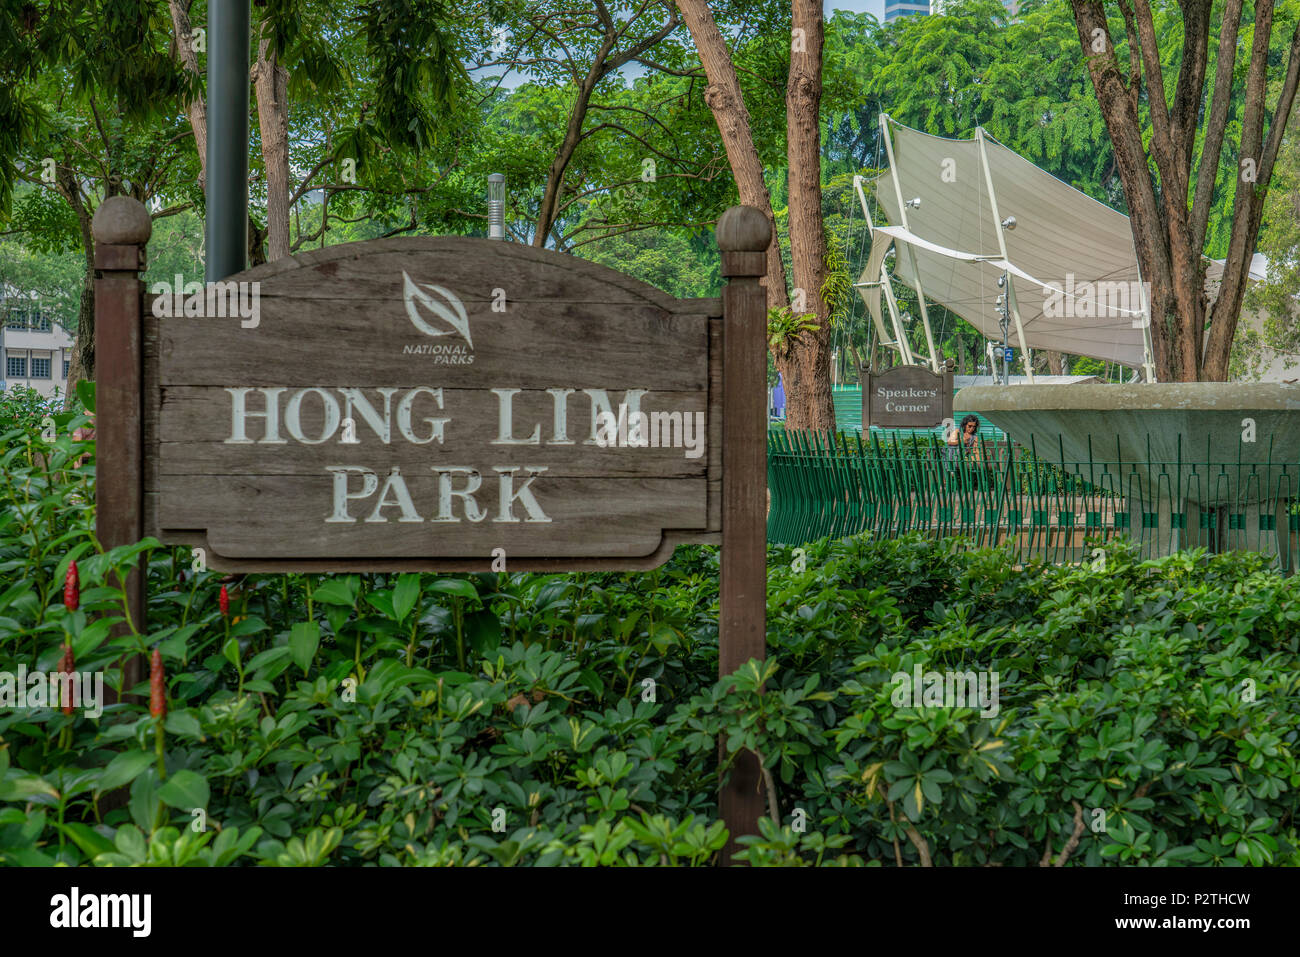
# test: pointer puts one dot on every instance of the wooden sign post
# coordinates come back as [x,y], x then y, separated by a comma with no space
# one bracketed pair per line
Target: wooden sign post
[440,404]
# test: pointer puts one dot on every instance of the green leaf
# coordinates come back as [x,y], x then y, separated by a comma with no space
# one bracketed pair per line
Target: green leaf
[303,642]
[231,650]
[483,629]
[185,724]
[455,586]
[247,626]
[20,788]
[336,591]
[92,636]
[185,790]
[131,842]
[86,393]
[382,601]
[91,842]
[405,594]
[269,657]
[664,637]
[124,769]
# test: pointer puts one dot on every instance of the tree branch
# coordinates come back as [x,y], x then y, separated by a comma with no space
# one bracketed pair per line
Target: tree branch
[1216,123]
[1073,842]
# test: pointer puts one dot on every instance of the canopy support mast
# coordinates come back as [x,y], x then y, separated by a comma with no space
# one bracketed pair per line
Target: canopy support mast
[899,341]
[1002,247]
[911,253]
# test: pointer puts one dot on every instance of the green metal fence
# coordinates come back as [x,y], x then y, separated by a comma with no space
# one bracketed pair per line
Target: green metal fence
[837,484]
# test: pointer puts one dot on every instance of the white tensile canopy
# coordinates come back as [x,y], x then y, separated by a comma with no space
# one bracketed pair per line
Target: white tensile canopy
[1069,260]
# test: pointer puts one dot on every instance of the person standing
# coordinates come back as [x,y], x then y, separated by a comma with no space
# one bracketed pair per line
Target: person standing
[962,440]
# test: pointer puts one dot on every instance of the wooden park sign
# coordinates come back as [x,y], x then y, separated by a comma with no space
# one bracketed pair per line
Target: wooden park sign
[439,404]
[907,397]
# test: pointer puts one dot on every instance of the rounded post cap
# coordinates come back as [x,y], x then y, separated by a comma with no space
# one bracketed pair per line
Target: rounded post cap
[122,221]
[743,229]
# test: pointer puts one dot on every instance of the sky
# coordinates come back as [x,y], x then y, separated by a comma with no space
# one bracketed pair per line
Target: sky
[875,7]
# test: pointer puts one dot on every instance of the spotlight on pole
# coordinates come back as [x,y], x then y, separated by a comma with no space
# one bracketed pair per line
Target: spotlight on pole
[1009,223]
[913,203]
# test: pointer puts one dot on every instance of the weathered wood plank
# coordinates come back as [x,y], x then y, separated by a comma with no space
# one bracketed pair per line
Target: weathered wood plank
[197,425]
[149,426]
[527,274]
[556,344]
[717,330]
[286,516]
[670,540]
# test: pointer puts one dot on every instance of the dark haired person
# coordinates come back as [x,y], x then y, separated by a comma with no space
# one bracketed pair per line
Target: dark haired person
[963,439]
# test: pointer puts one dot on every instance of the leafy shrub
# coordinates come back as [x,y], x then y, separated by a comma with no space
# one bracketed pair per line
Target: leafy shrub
[1147,715]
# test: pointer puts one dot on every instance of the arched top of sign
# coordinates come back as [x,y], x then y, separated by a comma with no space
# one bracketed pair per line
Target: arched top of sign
[363,269]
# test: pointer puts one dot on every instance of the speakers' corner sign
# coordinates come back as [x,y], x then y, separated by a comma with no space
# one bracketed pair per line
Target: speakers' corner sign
[429,404]
[907,397]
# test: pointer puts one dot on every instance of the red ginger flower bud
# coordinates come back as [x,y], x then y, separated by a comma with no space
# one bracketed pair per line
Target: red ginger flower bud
[157,686]
[223,602]
[66,665]
[72,588]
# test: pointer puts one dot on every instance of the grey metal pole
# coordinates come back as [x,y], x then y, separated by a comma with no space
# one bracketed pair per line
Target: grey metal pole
[226,227]
[496,206]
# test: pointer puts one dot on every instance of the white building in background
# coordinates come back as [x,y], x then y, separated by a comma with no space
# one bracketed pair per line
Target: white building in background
[35,351]
[906,8]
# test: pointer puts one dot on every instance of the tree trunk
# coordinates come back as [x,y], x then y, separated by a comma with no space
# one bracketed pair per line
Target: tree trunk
[1248,207]
[808,387]
[1168,231]
[82,365]
[196,109]
[1053,362]
[271,82]
[548,211]
[727,103]
[85,340]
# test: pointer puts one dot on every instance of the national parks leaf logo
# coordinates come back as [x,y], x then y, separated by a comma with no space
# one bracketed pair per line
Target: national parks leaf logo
[442,303]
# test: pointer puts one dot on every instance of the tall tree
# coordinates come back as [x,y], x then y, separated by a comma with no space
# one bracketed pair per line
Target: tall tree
[401,55]
[89,89]
[806,362]
[582,48]
[799,336]
[1169,193]
[727,102]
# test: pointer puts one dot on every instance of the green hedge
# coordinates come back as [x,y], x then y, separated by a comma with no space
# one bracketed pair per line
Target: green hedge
[530,719]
